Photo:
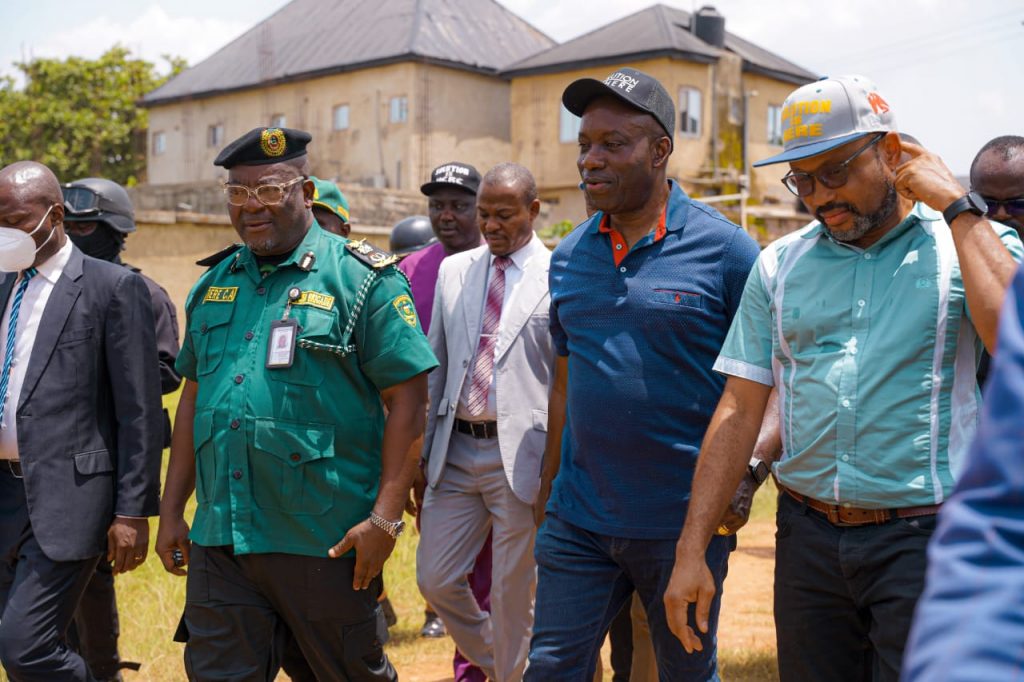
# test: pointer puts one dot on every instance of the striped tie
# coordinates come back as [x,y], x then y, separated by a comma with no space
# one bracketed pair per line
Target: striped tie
[12,327]
[483,365]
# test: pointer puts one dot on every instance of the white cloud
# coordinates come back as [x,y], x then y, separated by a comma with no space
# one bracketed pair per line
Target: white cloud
[148,35]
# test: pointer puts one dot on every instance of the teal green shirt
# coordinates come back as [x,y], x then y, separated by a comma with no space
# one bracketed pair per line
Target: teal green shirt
[874,357]
[287,460]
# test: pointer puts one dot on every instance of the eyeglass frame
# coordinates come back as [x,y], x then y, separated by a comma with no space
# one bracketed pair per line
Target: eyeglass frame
[995,204]
[816,175]
[254,191]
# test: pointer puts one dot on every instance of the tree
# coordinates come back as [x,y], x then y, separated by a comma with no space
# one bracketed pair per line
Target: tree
[81,116]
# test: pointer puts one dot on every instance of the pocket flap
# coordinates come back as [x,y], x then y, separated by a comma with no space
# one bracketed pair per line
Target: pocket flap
[540,420]
[202,429]
[71,336]
[294,443]
[95,462]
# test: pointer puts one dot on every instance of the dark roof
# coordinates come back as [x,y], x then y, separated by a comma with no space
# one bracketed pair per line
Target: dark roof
[308,38]
[656,31]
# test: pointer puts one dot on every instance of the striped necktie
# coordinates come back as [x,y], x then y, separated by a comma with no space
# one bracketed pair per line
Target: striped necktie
[483,366]
[12,327]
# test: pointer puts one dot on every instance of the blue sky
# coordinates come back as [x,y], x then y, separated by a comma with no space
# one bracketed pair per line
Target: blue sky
[953,70]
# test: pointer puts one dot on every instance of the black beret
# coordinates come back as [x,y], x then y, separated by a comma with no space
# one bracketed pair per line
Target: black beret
[262,146]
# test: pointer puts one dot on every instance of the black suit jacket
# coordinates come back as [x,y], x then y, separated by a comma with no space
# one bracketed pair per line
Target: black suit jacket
[89,416]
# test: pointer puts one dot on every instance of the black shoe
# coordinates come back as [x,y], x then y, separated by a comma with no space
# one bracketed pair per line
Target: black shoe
[433,627]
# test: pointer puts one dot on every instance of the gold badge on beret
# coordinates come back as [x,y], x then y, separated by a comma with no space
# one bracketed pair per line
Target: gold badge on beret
[272,142]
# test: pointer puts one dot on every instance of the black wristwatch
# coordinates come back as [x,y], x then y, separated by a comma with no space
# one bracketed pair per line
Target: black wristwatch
[971,202]
[758,469]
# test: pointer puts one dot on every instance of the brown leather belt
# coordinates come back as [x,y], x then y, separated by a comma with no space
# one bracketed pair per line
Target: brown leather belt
[477,429]
[839,515]
[11,466]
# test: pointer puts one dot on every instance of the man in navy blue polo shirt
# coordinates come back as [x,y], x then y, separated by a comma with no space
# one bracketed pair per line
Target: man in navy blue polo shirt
[642,295]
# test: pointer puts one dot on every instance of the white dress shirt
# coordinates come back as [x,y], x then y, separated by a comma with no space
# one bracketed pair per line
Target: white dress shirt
[29,316]
[513,276]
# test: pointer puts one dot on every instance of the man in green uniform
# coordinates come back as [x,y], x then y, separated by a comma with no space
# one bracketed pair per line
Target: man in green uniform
[295,344]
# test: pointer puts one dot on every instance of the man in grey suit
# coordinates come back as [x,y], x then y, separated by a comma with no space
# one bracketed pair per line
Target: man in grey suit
[80,424]
[487,424]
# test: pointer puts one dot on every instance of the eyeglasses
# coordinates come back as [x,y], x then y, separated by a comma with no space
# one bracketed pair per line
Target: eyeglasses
[1014,207]
[270,194]
[833,177]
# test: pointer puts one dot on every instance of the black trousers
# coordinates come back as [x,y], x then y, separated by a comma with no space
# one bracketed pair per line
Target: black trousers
[38,597]
[845,596]
[239,611]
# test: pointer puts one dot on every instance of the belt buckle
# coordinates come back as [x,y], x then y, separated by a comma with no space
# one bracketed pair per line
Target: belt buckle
[479,429]
[833,516]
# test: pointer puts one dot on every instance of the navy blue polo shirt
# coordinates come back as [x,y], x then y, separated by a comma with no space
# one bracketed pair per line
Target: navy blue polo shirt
[641,337]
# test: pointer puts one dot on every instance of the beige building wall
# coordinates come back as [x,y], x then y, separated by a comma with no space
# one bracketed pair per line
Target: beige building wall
[450,114]
[765,183]
[536,103]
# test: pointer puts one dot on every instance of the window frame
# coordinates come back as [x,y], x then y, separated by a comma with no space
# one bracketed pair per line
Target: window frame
[567,120]
[159,143]
[774,125]
[334,117]
[401,115]
[684,118]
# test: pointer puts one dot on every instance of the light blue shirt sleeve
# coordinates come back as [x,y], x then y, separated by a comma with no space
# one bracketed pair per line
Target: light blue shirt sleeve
[747,351]
[968,625]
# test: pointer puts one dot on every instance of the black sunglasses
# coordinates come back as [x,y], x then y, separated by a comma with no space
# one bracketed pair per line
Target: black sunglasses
[833,177]
[1014,207]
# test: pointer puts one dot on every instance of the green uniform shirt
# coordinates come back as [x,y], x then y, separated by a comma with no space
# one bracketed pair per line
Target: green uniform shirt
[287,460]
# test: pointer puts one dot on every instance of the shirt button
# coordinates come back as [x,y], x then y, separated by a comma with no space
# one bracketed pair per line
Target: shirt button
[846,504]
[235,424]
[248,336]
[295,457]
[260,291]
[846,403]
[239,378]
[846,458]
[465,363]
[862,303]
[618,247]
[237,474]
[203,328]
[622,269]
[867,256]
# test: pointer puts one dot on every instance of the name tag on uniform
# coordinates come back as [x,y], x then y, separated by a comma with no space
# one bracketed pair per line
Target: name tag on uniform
[281,345]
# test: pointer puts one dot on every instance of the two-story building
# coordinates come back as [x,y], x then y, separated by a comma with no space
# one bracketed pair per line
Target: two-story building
[729,99]
[389,89]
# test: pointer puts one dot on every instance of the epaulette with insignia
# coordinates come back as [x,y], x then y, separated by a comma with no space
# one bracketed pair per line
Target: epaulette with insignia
[370,254]
[212,260]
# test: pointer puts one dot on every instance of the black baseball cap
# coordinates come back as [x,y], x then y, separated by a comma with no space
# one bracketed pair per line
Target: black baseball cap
[455,174]
[633,87]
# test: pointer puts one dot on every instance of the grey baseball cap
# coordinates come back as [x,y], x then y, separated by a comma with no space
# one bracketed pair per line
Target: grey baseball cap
[633,87]
[828,113]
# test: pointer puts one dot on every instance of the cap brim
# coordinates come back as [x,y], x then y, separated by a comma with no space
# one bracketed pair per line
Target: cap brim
[336,211]
[809,150]
[431,187]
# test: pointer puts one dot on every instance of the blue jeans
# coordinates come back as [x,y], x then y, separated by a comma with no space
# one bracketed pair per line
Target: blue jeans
[583,580]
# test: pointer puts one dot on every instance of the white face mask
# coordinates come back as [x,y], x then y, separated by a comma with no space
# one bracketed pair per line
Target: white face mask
[17,248]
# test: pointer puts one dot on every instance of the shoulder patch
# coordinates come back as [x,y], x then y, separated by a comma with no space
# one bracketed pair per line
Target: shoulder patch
[213,259]
[370,254]
[406,310]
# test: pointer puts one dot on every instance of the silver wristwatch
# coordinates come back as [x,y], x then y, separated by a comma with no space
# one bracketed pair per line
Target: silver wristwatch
[392,528]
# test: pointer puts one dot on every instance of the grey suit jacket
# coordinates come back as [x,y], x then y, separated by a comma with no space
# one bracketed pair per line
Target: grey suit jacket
[90,421]
[524,364]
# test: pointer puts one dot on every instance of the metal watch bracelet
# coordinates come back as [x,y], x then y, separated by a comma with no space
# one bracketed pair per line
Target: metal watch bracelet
[392,528]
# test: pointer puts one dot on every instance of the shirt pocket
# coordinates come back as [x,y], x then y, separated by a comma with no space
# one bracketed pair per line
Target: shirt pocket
[209,332]
[677,298]
[208,464]
[293,467]
[320,328]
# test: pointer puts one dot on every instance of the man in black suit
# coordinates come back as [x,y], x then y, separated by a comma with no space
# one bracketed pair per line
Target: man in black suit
[80,424]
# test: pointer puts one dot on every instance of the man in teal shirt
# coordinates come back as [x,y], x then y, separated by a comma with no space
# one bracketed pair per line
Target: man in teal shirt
[294,346]
[870,323]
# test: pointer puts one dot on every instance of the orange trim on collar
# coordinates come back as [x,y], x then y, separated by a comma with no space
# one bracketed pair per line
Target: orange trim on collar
[618,243]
